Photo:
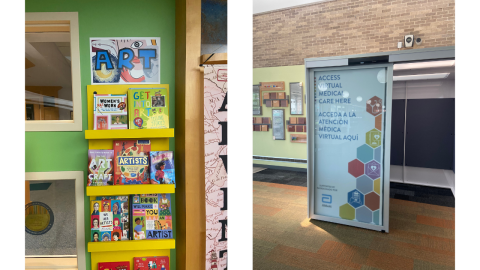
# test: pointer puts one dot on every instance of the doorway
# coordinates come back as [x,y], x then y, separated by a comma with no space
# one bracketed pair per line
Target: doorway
[423,125]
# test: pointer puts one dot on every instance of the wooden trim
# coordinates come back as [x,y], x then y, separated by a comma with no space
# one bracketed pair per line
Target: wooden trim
[47,22]
[56,28]
[218,58]
[27,192]
[189,144]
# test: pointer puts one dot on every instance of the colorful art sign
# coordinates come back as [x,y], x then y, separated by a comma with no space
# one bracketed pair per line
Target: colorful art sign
[128,60]
[215,130]
[348,142]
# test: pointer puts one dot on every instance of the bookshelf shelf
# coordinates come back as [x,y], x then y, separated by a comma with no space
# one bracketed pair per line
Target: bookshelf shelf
[131,245]
[129,134]
[118,190]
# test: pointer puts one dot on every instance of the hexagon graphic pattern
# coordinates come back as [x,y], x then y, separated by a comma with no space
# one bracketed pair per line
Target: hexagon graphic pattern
[347,211]
[374,106]
[376,217]
[378,122]
[364,184]
[374,138]
[378,154]
[372,201]
[363,214]
[372,169]
[356,168]
[364,153]
[355,198]
[376,185]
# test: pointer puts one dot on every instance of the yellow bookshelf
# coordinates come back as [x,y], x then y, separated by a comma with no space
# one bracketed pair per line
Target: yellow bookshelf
[103,139]
[131,245]
[120,190]
[129,134]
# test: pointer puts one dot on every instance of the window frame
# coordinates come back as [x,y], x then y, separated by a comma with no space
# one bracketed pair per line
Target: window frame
[77,176]
[76,123]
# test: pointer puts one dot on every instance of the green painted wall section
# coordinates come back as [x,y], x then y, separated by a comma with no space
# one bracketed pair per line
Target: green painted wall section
[67,151]
[263,143]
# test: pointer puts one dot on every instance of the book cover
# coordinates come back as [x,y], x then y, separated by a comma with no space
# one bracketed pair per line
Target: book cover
[114,266]
[110,219]
[100,167]
[149,263]
[131,162]
[148,108]
[110,111]
[151,216]
[162,168]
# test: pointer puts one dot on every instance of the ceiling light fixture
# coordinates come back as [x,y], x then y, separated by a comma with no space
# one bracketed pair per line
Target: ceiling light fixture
[421,77]
[419,65]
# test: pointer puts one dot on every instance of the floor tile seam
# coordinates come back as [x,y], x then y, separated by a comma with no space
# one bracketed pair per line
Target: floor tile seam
[317,256]
[426,232]
[423,205]
[409,253]
[409,246]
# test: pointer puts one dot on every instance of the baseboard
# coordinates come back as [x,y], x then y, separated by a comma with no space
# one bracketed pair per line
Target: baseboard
[450,175]
[284,168]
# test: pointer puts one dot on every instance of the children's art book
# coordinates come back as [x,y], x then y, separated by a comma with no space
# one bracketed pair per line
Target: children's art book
[110,111]
[162,169]
[131,162]
[148,108]
[151,216]
[100,167]
[114,266]
[110,218]
[150,263]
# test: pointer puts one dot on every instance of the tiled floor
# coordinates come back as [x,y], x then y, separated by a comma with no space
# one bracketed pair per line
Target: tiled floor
[422,236]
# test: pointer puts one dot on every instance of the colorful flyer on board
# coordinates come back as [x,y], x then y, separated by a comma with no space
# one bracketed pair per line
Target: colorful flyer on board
[162,168]
[125,60]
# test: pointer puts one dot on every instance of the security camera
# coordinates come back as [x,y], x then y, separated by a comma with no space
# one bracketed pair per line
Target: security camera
[418,41]
[408,41]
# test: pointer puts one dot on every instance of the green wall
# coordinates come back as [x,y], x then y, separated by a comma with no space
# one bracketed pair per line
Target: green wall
[263,143]
[67,151]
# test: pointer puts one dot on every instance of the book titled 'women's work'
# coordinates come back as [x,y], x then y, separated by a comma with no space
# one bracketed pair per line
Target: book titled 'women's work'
[110,111]
[148,108]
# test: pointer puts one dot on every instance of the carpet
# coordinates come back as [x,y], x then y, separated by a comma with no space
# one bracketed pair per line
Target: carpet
[415,193]
[422,236]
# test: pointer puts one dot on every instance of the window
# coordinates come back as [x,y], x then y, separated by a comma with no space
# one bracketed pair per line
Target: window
[54,220]
[52,72]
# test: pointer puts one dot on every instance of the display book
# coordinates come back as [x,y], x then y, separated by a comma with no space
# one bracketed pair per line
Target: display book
[148,108]
[151,216]
[109,219]
[148,263]
[131,162]
[110,111]
[114,266]
[100,168]
[162,167]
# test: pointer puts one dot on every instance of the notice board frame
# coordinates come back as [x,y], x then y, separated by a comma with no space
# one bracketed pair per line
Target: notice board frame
[386,158]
